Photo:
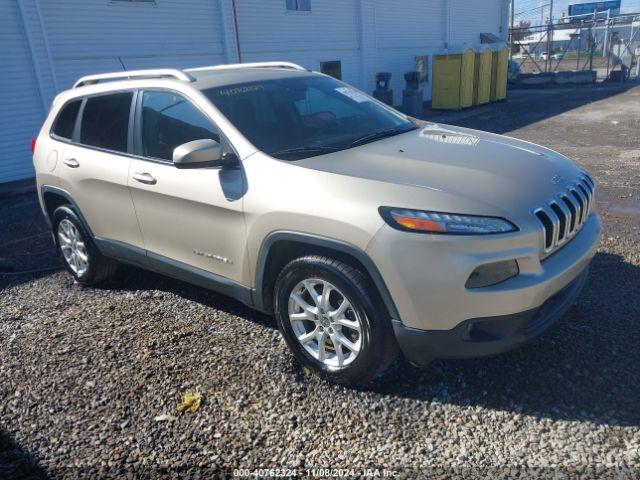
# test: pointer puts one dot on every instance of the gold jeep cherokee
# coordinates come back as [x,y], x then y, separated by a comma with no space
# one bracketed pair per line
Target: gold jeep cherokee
[366,232]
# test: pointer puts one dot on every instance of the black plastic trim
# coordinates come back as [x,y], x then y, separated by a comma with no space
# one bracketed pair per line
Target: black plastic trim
[325,242]
[202,278]
[173,268]
[139,257]
[123,252]
[63,193]
[484,336]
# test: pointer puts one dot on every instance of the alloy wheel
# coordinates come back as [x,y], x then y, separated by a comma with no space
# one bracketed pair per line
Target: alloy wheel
[73,247]
[325,322]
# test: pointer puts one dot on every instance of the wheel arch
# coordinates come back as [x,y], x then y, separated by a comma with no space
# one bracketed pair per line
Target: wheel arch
[53,197]
[280,247]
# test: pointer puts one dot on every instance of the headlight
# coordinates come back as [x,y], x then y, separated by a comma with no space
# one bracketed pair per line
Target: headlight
[445,223]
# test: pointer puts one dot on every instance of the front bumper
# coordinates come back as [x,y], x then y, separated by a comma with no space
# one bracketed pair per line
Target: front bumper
[426,274]
[479,337]
[440,318]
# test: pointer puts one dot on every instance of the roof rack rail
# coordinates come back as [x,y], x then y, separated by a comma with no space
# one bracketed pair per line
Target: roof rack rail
[157,73]
[230,66]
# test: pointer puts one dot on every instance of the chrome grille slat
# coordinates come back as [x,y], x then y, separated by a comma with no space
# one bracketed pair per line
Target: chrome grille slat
[588,185]
[590,190]
[547,230]
[573,225]
[586,194]
[579,202]
[562,217]
[567,215]
[590,182]
[583,207]
[556,224]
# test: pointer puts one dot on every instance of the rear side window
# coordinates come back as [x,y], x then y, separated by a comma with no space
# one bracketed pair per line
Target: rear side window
[168,121]
[105,121]
[63,126]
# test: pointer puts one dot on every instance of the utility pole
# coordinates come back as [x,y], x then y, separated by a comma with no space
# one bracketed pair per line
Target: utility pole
[605,45]
[549,36]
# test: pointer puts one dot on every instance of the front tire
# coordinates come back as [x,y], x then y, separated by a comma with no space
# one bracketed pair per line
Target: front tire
[79,255]
[333,320]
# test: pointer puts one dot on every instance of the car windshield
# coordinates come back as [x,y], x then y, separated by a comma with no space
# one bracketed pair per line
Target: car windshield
[300,117]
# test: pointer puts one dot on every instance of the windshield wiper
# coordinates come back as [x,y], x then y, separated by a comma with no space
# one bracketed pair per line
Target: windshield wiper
[318,150]
[390,132]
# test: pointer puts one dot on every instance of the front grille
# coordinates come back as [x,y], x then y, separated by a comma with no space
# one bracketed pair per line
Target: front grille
[563,216]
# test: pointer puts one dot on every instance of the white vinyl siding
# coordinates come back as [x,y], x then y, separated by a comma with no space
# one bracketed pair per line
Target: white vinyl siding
[21,106]
[102,36]
[467,19]
[328,32]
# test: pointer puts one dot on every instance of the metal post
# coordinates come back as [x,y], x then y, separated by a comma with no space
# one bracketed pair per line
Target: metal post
[637,56]
[605,45]
[608,59]
[549,37]
[511,30]
[592,45]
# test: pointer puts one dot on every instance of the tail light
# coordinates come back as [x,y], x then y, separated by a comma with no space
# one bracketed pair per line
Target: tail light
[33,144]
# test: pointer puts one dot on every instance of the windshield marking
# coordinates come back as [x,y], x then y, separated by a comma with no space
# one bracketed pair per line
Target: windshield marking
[353,94]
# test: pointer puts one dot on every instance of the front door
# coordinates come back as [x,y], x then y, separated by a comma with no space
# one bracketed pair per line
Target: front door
[190,218]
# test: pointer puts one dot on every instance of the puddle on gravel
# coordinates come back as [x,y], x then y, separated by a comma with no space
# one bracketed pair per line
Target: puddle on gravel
[631,210]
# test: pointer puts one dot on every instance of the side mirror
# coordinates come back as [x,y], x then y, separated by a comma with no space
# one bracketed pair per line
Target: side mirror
[201,154]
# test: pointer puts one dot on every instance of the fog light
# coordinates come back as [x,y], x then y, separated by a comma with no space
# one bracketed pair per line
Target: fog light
[492,273]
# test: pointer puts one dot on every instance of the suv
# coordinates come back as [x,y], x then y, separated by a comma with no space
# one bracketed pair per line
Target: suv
[365,231]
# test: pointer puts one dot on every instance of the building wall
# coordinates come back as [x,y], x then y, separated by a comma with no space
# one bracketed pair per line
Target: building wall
[401,34]
[329,32]
[22,105]
[48,44]
[102,36]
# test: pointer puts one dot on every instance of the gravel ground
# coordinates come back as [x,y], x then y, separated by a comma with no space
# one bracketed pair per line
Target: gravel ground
[90,377]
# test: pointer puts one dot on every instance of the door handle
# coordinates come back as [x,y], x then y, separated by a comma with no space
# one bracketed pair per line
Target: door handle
[71,162]
[146,178]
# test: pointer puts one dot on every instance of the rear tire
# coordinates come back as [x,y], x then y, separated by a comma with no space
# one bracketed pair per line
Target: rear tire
[333,320]
[79,255]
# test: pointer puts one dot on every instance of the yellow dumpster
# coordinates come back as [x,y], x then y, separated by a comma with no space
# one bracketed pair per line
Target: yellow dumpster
[453,79]
[482,76]
[499,66]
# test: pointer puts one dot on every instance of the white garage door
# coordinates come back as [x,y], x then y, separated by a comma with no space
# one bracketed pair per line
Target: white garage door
[21,108]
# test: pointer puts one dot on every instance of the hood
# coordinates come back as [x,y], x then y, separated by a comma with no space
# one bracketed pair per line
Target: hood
[481,167]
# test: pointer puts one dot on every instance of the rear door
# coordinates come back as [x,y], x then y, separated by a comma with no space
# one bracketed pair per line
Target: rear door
[95,164]
[189,217]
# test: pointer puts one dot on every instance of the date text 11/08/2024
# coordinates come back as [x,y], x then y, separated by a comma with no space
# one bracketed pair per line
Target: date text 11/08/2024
[314,473]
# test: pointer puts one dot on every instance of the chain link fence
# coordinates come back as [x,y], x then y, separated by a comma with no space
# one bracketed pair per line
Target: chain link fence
[607,46]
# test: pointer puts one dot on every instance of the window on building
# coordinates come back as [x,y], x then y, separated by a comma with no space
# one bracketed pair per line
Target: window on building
[333,68]
[168,121]
[66,121]
[299,5]
[152,2]
[105,121]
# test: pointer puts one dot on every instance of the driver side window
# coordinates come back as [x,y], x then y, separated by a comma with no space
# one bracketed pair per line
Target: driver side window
[168,121]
